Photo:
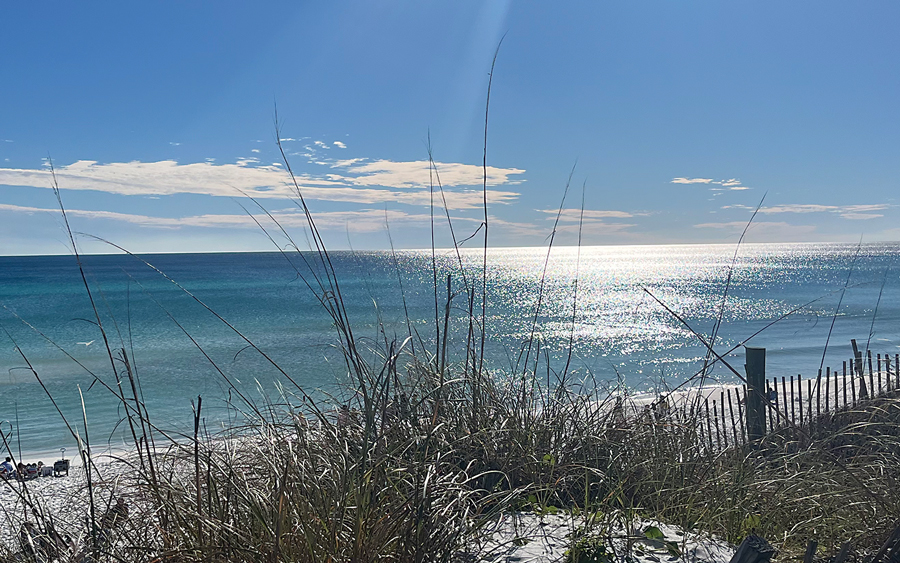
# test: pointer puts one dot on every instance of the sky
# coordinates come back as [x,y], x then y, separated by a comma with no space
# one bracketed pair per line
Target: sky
[669,121]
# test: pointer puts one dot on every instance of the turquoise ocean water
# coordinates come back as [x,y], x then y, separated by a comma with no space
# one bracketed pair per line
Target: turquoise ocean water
[620,333]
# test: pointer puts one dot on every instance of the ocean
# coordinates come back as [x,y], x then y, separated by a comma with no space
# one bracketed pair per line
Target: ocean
[620,335]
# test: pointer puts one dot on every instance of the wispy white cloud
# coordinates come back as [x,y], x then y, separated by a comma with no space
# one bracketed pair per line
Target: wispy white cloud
[855,212]
[861,216]
[353,221]
[368,220]
[376,182]
[416,174]
[346,163]
[574,215]
[357,221]
[595,228]
[254,150]
[799,208]
[339,145]
[594,221]
[691,180]
[732,184]
[764,231]
[817,208]
[137,219]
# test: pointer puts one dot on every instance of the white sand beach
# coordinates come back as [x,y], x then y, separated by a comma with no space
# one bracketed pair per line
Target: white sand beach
[530,538]
[62,500]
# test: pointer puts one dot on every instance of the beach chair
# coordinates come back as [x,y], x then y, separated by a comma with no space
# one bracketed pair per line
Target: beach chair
[60,466]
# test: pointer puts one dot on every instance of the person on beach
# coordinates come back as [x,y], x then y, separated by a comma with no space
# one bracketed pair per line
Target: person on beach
[6,468]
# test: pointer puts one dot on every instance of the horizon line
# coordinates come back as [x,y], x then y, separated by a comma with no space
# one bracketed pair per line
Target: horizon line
[451,249]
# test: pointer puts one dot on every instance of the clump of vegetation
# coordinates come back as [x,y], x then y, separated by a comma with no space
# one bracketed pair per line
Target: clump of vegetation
[588,548]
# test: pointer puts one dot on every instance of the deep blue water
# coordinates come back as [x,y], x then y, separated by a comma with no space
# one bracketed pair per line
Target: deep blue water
[620,333]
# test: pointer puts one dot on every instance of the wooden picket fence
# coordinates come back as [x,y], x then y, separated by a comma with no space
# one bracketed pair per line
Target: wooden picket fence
[768,405]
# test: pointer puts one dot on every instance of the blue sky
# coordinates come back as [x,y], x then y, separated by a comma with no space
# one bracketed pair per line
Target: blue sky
[677,117]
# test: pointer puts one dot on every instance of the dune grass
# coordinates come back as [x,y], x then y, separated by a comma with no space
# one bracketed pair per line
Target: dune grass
[413,472]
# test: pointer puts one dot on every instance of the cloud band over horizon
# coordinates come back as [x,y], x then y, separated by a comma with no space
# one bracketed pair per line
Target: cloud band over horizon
[379,181]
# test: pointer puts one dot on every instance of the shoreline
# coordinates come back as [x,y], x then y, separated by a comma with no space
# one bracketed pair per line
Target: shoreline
[49,456]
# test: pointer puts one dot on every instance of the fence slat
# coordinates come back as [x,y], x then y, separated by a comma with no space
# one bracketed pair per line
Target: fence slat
[818,393]
[845,383]
[769,405]
[716,423]
[859,371]
[878,370]
[887,373]
[873,392]
[731,412]
[793,404]
[836,394]
[785,400]
[809,391]
[724,421]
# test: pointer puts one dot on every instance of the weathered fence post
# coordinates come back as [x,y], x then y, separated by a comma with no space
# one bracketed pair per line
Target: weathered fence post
[756,392]
[858,364]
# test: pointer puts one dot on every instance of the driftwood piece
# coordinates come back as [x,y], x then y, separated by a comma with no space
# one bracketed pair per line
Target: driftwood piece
[753,549]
